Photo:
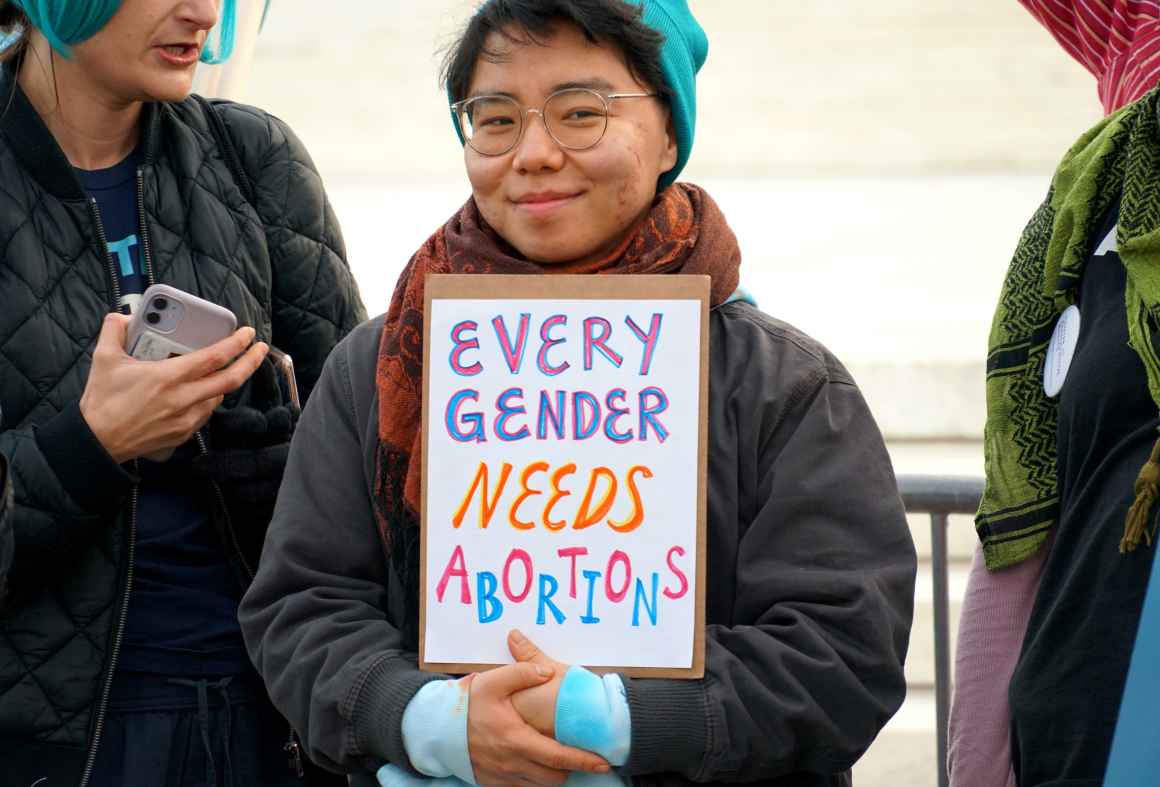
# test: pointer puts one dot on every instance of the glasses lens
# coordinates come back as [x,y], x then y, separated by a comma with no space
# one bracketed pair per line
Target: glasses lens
[491,124]
[576,118]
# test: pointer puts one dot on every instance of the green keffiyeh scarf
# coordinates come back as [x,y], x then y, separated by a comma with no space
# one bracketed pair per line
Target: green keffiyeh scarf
[1120,156]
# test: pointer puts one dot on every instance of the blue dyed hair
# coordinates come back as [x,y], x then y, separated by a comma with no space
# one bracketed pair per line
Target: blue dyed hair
[68,22]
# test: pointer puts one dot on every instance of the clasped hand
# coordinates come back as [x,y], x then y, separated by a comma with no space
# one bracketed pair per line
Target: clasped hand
[511,722]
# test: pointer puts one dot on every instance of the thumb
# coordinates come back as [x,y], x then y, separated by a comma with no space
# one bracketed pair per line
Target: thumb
[523,649]
[516,677]
[114,331]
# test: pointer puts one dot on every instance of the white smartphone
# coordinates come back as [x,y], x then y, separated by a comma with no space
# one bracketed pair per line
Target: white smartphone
[169,322]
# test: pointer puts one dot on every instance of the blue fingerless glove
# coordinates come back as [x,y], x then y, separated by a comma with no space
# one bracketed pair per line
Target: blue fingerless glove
[592,714]
[435,733]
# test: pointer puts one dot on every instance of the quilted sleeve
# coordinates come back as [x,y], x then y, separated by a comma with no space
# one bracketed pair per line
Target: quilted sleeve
[5,526]
[66,490]
[315,298]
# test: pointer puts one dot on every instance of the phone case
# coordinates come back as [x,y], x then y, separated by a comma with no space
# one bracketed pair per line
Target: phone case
[284,364]
[170,322]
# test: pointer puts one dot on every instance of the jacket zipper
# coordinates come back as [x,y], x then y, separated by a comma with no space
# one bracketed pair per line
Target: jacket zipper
[145,245]
[116,651]
[204,450]
[292,747]
[147,248]
[114,654]
[110,266]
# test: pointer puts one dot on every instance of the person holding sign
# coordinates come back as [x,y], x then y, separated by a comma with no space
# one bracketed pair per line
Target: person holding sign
[577,118]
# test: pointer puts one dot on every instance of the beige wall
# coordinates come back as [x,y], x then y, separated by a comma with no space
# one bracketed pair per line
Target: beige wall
[792,87]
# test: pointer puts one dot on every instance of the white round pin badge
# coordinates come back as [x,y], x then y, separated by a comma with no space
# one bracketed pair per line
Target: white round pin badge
[1060,351]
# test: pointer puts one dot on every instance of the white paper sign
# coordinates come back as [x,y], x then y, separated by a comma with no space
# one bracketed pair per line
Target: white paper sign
[563,479]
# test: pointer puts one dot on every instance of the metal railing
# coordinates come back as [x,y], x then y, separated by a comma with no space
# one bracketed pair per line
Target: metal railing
[940,496]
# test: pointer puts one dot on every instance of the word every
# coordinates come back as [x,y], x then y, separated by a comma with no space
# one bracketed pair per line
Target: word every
[613,583]
[595,334]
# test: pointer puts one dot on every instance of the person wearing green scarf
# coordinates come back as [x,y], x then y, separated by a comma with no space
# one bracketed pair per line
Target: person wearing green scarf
[1072,459]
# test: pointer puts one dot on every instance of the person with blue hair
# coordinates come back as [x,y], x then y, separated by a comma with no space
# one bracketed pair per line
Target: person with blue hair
[577,118]
[230,79]
[122,663]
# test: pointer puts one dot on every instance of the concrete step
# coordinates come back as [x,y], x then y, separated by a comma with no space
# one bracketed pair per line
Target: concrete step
[931,401]
[905,752]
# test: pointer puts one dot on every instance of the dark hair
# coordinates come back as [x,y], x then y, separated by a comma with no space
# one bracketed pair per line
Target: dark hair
[12,20]
[613,22]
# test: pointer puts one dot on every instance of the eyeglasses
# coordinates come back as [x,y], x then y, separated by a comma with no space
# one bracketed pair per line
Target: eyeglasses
[576,118]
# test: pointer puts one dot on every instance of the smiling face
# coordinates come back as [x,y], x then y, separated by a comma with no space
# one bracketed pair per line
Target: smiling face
[149,49]
[558,205]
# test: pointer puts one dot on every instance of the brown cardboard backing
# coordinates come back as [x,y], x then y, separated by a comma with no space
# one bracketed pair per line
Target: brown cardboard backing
[483,286]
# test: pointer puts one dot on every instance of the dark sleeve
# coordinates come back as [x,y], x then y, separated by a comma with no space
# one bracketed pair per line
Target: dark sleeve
[66,488]
[315,299]
[314,618]
[813,667]
[5,525]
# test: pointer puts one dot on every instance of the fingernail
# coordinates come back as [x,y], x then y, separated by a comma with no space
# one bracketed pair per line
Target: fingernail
[518,637]
[543,671]
[603,768]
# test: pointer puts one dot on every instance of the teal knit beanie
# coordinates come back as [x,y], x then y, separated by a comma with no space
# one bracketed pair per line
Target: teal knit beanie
[682,54]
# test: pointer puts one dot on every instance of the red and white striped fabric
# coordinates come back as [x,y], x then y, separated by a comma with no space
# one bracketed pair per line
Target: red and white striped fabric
[1117,40]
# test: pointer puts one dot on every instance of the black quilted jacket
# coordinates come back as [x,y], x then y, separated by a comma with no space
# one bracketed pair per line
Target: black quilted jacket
[5,525]
[278,263]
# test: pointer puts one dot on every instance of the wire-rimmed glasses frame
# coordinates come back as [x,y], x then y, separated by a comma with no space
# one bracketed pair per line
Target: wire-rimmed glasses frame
[495,137]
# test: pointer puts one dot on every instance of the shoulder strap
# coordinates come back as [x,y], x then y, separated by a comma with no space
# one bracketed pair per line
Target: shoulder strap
[228,149]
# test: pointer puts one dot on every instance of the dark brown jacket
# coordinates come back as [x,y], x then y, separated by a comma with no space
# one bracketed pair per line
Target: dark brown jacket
[810,578]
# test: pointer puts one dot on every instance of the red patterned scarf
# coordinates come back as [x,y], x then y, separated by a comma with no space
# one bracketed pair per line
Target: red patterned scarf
[684,232]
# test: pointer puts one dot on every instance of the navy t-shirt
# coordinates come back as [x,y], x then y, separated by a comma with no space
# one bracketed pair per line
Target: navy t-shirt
[182,617]
[115,190]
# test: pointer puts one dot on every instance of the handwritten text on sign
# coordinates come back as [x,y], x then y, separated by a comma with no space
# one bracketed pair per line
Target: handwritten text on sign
[562,461]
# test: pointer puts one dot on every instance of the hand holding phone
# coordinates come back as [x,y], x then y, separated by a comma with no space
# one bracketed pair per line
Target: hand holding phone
[170,323]
[136,408]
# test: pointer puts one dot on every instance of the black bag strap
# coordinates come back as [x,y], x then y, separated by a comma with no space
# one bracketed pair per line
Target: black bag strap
[229,151]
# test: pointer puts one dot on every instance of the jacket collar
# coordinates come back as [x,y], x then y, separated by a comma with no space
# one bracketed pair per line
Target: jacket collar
[34,146]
